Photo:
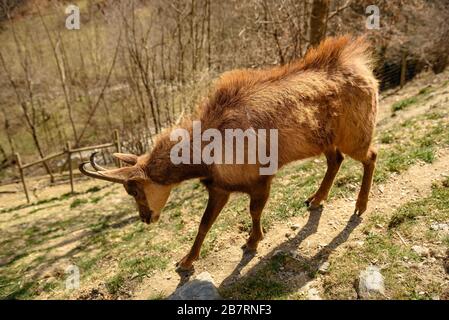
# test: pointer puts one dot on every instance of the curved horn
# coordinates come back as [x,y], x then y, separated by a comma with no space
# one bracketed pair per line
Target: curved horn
[94,164]
[99,175]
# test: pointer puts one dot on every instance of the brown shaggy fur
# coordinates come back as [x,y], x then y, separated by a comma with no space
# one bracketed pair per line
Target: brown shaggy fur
[323,103]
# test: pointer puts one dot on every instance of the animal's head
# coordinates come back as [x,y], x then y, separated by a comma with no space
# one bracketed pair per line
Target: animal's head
[150,197]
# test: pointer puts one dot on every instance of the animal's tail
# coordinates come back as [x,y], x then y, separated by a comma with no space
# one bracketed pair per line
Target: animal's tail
[344,51]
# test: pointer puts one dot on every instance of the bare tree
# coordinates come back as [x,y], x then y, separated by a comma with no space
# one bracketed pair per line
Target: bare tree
[318,21]
[26,101]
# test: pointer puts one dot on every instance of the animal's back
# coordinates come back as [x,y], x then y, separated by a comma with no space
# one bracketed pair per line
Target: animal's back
[327,98]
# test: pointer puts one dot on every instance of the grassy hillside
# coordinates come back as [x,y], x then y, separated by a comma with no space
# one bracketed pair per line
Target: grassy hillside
[98,229]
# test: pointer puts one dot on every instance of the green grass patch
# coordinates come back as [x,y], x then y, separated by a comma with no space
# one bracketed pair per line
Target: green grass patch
[144,265]
[438,201]
[94,189]
[63,197]
[426,91]
[12,288]
[386,137]
[407,102]
[403,104]
[78,202]
[134,269]
[114,283]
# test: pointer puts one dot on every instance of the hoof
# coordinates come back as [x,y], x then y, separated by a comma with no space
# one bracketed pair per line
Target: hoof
[359,209]
[315,208]
[182,266]
[249,249]
[312,205]
[184,270]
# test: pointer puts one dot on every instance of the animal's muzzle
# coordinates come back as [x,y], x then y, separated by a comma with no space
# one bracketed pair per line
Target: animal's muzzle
[145,214]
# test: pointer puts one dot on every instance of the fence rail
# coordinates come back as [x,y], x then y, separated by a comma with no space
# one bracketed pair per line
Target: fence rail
[68,151]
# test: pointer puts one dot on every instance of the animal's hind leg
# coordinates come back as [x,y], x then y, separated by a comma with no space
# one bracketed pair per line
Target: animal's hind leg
[334,159]
[258,198]
[369,163]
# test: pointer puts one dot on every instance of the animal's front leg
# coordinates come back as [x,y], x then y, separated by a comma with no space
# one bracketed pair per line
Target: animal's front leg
[217,200]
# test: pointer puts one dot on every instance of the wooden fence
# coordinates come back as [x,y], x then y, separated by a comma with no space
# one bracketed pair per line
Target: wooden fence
[68,151]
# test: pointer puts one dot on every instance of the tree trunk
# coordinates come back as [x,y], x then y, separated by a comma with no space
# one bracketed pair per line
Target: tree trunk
[318,21]
[6,127]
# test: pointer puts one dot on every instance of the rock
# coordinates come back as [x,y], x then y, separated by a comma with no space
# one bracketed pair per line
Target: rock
[324,268]
[200,288]
[371,283]
[355,244]
[313,294]
[294,254]
[421,251]
[295,227]
[310,291]
[279,253]
[288,235]
[438,226]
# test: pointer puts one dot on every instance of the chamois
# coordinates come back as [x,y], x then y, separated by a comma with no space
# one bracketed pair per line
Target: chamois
[324,103]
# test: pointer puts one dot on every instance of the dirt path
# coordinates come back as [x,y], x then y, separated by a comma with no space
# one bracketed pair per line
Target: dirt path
[318,235]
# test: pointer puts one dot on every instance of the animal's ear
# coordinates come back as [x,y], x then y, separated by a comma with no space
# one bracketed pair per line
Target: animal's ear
[126,158]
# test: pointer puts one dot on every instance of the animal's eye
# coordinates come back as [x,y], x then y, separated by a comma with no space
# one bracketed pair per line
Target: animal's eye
[131,189]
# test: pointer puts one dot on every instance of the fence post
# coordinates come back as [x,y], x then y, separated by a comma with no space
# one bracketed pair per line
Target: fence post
[117,145]
[69,162]
[22,177]
[403,68]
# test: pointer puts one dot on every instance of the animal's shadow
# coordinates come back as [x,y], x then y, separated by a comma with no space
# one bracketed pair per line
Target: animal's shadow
[313,263]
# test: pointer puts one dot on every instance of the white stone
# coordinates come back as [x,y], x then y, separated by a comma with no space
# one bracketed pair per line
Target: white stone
[436,226]
[200,288]
[313,294]
[421,251]
[371,283]
[324,268]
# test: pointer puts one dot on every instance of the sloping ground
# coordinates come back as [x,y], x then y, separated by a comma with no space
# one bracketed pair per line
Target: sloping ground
[98,231]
